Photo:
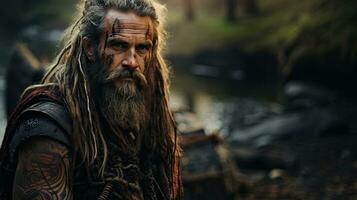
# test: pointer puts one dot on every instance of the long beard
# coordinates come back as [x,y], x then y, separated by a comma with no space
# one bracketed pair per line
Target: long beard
[124,107]
[123,103]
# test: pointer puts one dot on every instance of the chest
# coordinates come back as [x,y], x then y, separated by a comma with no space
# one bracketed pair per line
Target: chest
[124,178]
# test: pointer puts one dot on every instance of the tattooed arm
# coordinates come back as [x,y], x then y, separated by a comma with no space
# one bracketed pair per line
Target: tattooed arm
[43,171]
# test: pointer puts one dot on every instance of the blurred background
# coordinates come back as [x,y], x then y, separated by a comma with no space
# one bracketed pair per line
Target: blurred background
[264,91]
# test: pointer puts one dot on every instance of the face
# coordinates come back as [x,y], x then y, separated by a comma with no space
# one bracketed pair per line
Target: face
[125,43]
[124,49]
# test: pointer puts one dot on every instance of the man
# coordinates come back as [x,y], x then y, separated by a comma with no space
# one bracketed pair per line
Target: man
[99,126]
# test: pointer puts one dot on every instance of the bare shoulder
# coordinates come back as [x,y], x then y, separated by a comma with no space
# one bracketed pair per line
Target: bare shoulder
[43,171]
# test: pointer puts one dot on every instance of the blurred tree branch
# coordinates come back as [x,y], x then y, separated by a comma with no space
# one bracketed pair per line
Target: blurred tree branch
[317,28]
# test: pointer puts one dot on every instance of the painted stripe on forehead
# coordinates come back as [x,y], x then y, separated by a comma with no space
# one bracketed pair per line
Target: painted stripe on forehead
[125,26]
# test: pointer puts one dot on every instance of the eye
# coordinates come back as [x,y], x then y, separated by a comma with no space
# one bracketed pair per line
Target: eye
[117,44]
[120,45]
[142,48]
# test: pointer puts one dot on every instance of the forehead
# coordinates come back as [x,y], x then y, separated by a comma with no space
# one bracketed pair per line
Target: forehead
[119,22]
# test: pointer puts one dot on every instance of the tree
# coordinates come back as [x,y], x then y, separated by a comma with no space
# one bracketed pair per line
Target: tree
[247,8]
[231,6]
[240,9]
[190,11]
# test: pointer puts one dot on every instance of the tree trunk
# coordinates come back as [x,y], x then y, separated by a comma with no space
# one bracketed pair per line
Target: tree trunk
[231,6]
[189,7]
[247,8]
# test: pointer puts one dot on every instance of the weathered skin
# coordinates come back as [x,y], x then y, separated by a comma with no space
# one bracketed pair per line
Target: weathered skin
[126,41]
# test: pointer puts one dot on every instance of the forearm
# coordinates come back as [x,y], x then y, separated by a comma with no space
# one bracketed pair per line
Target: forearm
[43,171]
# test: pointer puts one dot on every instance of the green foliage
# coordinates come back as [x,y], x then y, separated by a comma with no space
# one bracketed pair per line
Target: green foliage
[323,23]
[290,27]
[206,31]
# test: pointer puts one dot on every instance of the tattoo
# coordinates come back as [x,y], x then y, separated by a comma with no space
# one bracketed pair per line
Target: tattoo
[43,171]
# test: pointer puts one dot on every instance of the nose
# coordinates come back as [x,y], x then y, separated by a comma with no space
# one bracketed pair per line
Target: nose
[130,60]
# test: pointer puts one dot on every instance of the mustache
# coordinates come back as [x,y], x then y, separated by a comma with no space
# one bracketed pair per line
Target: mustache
[126,73]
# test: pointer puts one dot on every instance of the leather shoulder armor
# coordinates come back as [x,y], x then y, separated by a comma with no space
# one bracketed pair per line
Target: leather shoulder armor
[43,119]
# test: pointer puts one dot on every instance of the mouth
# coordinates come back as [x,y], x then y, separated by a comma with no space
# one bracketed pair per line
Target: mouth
[120,81]
[122,77]
[125,80]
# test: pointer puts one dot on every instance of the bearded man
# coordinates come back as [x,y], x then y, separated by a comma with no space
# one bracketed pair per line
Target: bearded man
[99,126]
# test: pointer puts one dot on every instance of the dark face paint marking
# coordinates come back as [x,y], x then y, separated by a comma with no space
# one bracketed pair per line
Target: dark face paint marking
[109,59]
[106,40]
[105,45]
[116,27]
